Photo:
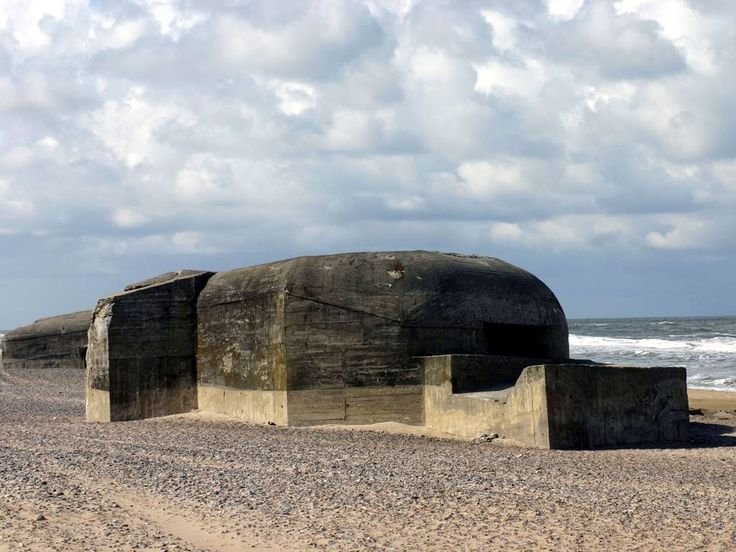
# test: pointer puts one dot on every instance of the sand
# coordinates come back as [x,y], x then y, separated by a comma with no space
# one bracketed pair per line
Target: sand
[208,483]
[706,399]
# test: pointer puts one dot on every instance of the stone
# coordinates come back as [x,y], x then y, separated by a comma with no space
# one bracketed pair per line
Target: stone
[485,438]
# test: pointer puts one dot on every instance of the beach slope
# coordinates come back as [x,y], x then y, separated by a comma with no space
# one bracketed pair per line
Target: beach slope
[185,483]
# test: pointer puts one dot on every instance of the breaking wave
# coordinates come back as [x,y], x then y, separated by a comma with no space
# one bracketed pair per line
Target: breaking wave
[706,381]
[710,361]
[721,344]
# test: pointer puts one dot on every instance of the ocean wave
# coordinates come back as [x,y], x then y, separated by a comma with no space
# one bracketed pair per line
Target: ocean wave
[641,347]
[710,381]
[713,387]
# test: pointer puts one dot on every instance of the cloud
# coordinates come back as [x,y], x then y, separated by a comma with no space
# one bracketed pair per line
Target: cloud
[13,205]
[127,218]
[618,45]
[149,132]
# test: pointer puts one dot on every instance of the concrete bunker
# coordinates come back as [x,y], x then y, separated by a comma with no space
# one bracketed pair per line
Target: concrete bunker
[464,344]
[331,339]
[53,342]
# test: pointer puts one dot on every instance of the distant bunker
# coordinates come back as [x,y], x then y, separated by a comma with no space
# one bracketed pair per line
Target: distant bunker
[462,344]
[55,342]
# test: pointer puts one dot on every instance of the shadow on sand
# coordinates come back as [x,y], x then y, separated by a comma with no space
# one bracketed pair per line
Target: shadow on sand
[705,433]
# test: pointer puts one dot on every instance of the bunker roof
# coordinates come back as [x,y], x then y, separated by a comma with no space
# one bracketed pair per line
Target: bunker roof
[53,325]
[397,285]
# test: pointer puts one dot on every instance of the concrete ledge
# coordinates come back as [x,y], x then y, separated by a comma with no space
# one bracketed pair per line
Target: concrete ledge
[519,413]
[525,414]
[469,373]
[458,414]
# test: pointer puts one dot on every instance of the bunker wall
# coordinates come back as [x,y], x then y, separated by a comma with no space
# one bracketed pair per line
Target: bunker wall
[348,366]
[48,351]
[241,360]
[141,359]
[56,342]
[597,405]
[561,406]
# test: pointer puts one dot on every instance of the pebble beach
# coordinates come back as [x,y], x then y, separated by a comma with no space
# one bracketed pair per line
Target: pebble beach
[191,483]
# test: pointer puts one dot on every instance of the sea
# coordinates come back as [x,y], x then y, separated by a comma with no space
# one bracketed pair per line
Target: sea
[706,346]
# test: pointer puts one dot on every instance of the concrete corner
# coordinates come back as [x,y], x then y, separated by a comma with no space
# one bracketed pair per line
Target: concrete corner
[141,357]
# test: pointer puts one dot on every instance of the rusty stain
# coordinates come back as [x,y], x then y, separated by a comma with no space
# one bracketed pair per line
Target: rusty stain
[397,272]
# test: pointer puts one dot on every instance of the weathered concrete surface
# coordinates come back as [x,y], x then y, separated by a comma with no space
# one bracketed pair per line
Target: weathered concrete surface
[356,405]
[592,406]
[338,332]
[141,360]
[513,407]
[470,373]
[54,342]
[562,406]
[261,406]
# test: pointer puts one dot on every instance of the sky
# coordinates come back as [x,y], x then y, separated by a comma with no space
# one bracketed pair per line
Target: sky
[592,142]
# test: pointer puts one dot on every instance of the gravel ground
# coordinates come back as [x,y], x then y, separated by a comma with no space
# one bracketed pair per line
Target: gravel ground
[181,483]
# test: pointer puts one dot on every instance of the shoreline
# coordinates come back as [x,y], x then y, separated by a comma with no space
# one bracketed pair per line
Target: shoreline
[710,399]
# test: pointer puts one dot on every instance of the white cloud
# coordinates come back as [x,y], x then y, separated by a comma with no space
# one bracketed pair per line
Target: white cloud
[12,203]
[128,218]
[127,126]
[405,203]
[576,232]
[563,9]
[174,18]
[489,180]
[314,39]
[29,91]
[48,143]
[616,45]
[191,242]
[506,232]
[117,34]
[16,158]
[680,23]
[503,28]
[25,20]
[295,97]
[683,234]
